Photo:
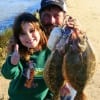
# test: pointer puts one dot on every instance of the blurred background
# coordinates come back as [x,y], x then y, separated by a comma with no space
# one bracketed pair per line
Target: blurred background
[86,11]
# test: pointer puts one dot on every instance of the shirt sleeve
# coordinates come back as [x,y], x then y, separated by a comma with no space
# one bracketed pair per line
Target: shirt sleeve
[10,71]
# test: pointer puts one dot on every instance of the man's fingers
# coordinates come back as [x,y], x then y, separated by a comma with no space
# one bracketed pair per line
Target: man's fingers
[73,23]
[70,22]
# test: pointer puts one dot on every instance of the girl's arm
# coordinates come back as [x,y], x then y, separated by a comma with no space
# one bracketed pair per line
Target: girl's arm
[12,67]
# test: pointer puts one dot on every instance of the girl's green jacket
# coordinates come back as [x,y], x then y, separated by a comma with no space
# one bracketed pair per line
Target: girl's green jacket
[17,75]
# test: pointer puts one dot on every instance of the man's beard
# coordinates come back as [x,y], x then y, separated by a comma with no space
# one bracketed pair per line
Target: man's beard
[48,28]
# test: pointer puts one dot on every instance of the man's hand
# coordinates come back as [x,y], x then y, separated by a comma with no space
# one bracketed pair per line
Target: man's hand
[73,23]
[15,56]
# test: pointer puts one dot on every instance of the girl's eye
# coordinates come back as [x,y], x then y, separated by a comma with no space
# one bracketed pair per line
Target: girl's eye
[31,31]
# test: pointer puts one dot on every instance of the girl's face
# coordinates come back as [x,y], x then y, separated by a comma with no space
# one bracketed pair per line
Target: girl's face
[30,36]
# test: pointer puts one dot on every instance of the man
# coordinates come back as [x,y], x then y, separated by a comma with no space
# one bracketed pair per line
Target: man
[52,13]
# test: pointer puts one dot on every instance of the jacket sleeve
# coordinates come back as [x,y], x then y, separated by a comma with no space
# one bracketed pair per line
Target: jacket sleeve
[10,71]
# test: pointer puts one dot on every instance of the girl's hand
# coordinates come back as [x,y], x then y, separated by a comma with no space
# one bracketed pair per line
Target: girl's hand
[15,56]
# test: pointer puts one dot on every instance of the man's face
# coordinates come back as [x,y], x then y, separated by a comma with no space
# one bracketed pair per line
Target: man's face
[51,17]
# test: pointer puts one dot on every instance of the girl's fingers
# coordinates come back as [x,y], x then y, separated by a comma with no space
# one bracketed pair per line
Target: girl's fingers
[16,49]
[15,56]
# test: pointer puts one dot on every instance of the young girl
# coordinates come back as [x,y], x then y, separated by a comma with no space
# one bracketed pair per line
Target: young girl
[25,62]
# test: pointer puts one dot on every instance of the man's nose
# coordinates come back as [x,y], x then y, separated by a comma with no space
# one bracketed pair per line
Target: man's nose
[52,20]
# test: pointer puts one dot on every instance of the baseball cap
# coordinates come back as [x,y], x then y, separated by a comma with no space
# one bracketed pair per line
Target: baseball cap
[46,3]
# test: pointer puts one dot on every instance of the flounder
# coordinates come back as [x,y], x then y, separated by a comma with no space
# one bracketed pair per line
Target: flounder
[75,66]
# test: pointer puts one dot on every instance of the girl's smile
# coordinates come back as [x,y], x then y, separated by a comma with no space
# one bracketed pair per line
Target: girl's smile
[30,37]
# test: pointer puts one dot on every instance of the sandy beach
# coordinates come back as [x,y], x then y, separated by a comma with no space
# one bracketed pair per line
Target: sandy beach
[88,14]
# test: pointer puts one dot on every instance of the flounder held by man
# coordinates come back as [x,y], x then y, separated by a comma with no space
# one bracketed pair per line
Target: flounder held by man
[72,60]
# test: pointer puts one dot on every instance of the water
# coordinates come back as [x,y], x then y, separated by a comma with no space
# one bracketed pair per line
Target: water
[10,8]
